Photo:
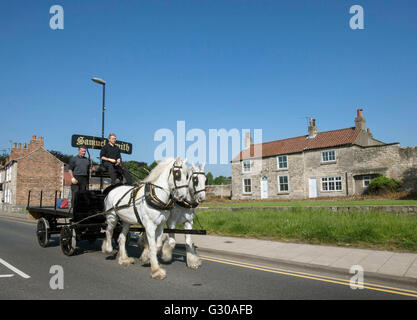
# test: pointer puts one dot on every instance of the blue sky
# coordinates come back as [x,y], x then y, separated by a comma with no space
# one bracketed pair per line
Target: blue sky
[214,64]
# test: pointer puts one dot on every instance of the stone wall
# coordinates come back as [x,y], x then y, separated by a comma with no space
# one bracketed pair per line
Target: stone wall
[223,191]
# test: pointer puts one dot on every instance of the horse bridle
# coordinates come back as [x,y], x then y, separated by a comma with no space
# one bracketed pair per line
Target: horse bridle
[195,182]
[176,171]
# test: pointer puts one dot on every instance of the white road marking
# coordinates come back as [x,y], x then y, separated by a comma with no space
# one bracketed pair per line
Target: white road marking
[6,275]
[20,273]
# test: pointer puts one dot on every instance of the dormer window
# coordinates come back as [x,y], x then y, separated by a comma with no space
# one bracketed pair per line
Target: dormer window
[328,156]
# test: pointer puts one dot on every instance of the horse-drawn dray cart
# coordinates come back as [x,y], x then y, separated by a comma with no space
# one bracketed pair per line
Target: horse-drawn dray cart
[169,194]
[84,221]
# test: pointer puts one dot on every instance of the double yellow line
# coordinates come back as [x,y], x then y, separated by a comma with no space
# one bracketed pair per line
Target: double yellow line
[369,286]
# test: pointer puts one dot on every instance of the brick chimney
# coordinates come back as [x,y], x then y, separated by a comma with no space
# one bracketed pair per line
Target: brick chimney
[360,122]
[17,151]
[35,144]
[312,129]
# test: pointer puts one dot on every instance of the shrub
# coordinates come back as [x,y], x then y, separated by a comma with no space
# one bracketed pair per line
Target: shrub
[381,185]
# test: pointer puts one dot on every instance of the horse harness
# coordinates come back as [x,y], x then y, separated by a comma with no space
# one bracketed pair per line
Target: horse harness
[187,204]
[132,199]
[150,195]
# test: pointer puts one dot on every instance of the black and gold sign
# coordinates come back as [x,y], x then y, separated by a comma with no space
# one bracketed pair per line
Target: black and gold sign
[98,143]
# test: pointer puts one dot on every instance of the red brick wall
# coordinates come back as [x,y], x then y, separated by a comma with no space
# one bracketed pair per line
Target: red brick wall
[40,170]
[17,153]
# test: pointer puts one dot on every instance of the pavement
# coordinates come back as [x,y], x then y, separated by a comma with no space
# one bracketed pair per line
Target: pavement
[376,264]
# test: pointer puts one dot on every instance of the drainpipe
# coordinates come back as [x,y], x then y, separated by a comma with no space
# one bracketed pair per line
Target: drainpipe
[346,181]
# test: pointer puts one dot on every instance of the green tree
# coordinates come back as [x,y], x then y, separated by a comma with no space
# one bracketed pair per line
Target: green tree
[222,180]
[3,157]
[140,170]
[65,158]
[210,180]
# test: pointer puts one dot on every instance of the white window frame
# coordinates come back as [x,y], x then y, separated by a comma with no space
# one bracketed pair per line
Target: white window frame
[327,152]
[364,179]
[243,166]
[286,160]
[243,186]
[279,183]
[328,181]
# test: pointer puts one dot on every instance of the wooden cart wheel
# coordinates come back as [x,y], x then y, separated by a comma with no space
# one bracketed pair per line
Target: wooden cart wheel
[68,240]
[42,232]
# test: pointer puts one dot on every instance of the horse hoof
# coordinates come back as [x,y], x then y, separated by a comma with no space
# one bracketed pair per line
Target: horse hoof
[193,263]
[124,263]
[159,274]
[194,266]
[166,257]
[104,249]
[144,258]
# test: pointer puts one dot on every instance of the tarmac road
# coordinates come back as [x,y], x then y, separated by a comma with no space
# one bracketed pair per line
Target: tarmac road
[25,273]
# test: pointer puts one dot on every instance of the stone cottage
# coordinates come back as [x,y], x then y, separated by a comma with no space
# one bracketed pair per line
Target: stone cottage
[31,167]
[320,164]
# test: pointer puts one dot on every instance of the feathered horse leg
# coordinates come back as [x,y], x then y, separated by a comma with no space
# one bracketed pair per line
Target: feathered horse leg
[152,234]
[122,256]
[143,242]
[193,260]
[111,219]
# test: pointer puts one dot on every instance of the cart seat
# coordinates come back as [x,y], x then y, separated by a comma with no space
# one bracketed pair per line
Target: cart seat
[100,171]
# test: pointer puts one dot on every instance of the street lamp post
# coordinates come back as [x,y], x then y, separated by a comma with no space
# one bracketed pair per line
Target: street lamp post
[102,82]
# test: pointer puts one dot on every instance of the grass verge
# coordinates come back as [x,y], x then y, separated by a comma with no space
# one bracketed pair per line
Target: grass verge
[304,203]
[372,229]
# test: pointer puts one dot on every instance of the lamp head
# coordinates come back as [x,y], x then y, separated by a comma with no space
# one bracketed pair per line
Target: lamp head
[98,80]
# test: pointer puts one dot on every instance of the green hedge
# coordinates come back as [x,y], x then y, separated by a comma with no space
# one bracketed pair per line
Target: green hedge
[381,185]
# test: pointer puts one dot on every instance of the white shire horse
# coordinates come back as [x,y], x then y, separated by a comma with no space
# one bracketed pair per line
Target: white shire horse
[183,213]
[169,182]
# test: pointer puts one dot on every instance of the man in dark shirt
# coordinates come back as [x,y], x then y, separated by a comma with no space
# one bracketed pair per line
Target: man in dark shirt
[79,167]
[111,159]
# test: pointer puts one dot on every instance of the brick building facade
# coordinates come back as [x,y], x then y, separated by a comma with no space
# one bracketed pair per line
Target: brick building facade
[31,167]
[320,164]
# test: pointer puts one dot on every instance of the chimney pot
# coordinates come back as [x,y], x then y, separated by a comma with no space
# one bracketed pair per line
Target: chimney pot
[20,146]
[360,122]
[14,145]
[33,137]
[40,138]
[312,129]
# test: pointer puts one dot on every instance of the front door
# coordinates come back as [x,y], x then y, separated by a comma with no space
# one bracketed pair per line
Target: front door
[312,188]
[264,187]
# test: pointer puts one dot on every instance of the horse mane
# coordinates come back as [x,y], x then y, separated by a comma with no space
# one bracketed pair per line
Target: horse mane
[157,171]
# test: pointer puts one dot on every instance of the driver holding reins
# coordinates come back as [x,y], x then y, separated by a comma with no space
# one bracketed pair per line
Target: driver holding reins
[112,160]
